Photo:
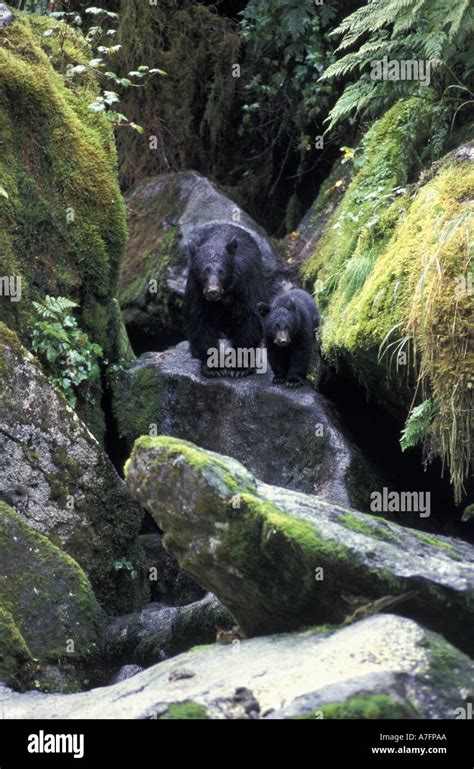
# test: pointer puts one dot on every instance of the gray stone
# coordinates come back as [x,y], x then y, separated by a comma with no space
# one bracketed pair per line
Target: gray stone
[158,632]
[168,584]
[388,664]
[126,671]
[58,479]
[6,15]
[291,438]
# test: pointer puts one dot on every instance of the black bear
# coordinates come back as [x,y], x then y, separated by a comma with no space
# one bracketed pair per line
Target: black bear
[225,283]
[289,325]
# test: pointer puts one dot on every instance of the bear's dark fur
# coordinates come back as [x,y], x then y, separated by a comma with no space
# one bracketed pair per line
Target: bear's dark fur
[289,325]
[225,284]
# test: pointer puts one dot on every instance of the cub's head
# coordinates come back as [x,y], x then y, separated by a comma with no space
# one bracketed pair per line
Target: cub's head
[280,321]
[211,263]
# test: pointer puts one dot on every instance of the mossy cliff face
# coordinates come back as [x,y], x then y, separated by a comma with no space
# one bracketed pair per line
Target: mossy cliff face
[62,227]
[46,601]
[392,272]
[279,559]
[56,476]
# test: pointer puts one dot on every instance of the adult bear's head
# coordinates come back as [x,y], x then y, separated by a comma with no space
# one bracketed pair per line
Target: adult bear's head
[280,320]
[212,264]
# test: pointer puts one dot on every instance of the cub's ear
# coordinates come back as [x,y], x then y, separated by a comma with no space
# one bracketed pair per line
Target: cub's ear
[263,309]
[232,246]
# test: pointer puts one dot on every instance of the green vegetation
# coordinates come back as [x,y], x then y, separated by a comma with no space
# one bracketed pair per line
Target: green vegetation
[71,360]
[370,706]
[391,261]
[436,31]
[187,710]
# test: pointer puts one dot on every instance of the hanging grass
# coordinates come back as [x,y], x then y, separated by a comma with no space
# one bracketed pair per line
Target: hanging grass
[395,265]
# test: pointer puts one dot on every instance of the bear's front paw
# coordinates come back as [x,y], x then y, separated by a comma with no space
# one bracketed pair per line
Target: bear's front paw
[212,373]
[278,379]
[240,373]
[294,382]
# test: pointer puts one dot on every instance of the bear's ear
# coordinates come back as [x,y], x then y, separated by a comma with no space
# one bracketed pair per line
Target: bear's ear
[291,304]
[263,309]
[232,246]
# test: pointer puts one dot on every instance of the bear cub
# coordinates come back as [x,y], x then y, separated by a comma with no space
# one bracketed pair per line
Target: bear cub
[289,325]
[225,283]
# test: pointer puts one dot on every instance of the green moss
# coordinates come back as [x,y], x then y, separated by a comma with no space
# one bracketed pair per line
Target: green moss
[446,664]
[16,663]
[436,542]
[227,475]
[137,402]
[46,592]
[377,531]
[391,262]
[185,711]
[365,707]
[57,157]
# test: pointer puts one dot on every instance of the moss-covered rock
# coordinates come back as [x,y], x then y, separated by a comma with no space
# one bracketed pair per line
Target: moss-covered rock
[48,606]
[278,559]
[62,226]
[392,272]
[16,662]
[58,479]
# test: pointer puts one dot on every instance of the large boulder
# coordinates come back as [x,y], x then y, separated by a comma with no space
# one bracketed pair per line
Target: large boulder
[279,559]
[48,612]
[163,212]
[288,437]
[383,667]
[55,475]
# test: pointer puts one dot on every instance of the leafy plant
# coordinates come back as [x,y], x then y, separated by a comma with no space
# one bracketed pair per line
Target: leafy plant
[287,49]
[70,358]
[438,31]
[99,33]
[417,424]
[123,564]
